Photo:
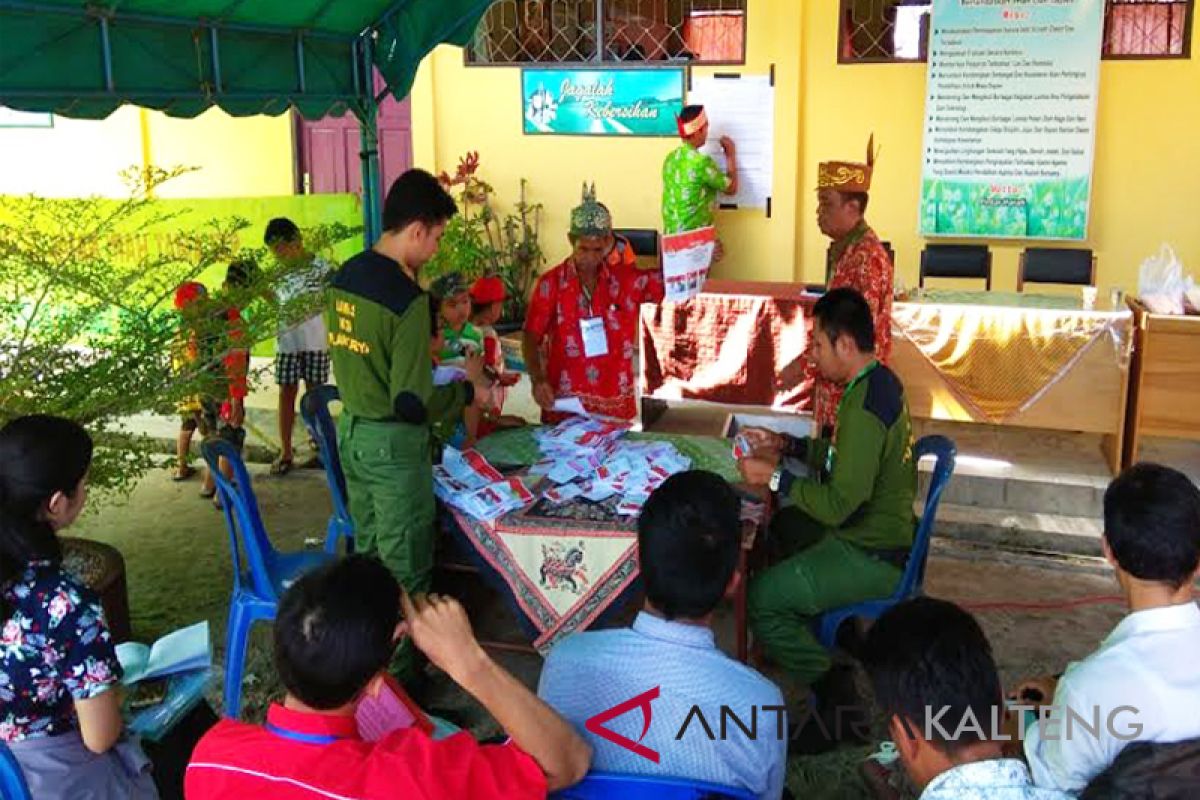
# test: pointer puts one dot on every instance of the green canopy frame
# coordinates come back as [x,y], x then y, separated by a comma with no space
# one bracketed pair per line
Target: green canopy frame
[181,57]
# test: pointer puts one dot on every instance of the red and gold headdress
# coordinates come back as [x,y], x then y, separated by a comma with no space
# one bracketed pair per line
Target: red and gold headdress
[693,125]
[846,176]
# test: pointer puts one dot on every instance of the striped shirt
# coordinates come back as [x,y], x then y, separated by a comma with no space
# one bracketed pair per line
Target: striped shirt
[589,673]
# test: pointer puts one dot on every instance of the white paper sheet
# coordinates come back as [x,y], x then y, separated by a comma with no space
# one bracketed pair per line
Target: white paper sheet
[744,110]
[570,405]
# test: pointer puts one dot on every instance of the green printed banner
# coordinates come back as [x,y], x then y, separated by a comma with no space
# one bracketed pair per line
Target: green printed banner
[602,102]
[1010,118]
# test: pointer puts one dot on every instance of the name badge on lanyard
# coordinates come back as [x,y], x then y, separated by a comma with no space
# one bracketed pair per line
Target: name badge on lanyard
[595,337]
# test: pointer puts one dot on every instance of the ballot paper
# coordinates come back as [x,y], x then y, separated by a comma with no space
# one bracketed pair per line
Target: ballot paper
[590,459]
[461,472]
[687,257]
[495,500]
[570,405]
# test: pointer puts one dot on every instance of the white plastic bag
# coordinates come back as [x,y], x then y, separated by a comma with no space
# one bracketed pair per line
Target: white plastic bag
[1161,282]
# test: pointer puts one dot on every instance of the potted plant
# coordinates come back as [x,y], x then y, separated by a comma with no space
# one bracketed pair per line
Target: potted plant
[479,242]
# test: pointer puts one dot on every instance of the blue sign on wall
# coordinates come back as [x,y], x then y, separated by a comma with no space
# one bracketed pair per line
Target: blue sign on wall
[602,102]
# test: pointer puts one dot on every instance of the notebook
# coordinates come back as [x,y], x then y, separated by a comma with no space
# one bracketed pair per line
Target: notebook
[389,709]
[185,649]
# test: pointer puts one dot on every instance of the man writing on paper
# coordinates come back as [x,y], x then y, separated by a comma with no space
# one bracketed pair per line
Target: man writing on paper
[845,531]
[691,179]
[857,260]
[581,329]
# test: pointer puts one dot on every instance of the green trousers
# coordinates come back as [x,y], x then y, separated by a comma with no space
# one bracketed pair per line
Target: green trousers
[389,480]
[825,572]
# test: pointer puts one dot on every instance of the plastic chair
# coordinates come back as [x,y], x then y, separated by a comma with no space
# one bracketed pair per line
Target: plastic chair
[957,261]
[943,449]
[268,573]
[611,786]
[12,779]
[314,409]
[1061,265]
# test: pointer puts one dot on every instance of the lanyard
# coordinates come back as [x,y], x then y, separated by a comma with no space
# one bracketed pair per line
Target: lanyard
[584,293]
[305,738]
[850,386]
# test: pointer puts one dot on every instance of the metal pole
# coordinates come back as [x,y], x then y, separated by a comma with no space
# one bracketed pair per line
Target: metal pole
[367,119]
[106,55]
[599,12]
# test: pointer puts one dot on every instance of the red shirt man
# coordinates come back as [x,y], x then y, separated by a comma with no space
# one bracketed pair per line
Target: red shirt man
[860,262]
[581,328]
[307,756]
[335,632]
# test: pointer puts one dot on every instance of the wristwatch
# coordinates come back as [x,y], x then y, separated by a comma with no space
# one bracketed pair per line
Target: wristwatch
[776,477]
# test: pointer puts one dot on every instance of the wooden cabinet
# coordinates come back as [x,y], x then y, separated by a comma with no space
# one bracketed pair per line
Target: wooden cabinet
[1164,390]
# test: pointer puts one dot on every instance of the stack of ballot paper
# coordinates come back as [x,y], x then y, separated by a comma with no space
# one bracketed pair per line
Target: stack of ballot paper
[468,482]
[587,458]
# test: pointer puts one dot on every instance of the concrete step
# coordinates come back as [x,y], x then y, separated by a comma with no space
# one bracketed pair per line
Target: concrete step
[1076,496]
[1021,530]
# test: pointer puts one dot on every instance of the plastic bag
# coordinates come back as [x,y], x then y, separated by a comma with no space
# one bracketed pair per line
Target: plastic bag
[1161,282]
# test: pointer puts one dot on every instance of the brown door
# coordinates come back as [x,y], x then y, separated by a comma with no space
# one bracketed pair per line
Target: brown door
[328,149]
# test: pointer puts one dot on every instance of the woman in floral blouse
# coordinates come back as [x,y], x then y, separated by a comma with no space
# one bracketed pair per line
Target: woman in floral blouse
[58,713]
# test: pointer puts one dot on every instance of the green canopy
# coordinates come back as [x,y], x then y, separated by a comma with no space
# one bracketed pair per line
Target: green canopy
[84,59]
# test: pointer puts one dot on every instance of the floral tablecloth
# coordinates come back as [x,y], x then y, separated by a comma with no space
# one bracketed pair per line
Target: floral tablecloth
[564,567]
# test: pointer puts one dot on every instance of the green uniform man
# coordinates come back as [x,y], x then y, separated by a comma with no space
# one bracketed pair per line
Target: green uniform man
[379,342]
[691,179]
[846,532]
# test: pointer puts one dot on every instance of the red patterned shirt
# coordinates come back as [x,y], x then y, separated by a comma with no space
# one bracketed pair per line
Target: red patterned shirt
[864,266]
[604,384]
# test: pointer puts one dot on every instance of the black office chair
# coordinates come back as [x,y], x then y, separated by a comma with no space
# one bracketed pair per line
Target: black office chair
[972,261]
[643,240]
[1066,266]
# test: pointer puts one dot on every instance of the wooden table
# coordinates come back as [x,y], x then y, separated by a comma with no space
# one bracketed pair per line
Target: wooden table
[1164,383]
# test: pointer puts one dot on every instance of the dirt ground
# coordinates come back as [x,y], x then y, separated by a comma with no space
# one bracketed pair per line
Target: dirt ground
[178,566]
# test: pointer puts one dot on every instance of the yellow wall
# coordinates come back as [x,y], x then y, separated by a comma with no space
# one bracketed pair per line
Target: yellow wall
[1147,170]
[75,158]
[458,108]
[237,157]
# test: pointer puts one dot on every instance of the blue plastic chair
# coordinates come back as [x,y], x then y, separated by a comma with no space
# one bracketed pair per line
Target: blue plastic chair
[911,583]
[12,779]
[314,409]
[612,786]
[267,573]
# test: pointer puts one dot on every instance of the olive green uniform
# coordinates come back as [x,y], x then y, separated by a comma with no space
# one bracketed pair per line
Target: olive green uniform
[379,342]
[846,533]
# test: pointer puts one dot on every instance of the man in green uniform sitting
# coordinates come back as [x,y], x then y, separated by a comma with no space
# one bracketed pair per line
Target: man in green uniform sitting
[379,333]
[847,529]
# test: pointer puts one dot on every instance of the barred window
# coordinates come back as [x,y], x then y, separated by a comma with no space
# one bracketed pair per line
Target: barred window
[881,31]
[610,31]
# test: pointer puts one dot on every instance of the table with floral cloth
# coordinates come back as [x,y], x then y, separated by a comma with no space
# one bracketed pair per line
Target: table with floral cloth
[563,567]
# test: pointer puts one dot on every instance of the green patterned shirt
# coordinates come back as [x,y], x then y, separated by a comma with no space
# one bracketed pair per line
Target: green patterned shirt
[691,181]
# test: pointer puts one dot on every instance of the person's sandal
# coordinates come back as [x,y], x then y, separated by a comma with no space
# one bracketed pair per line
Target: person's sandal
[281,466]
[208,494]
[183,474]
